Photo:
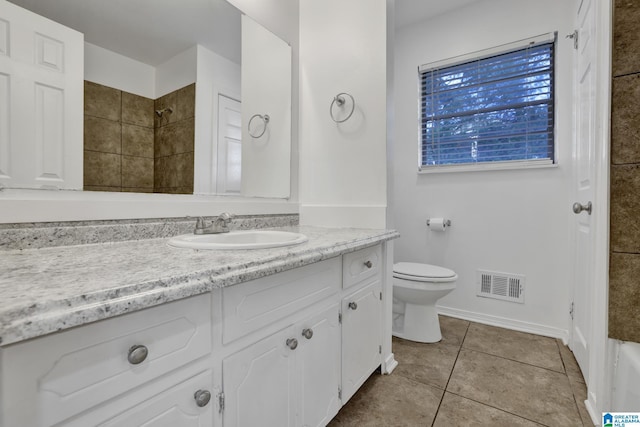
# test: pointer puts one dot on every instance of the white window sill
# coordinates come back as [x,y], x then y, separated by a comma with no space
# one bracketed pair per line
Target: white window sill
[489,166]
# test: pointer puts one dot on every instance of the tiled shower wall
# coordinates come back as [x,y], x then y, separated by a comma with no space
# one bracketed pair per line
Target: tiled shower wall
[127,147]
[118,140]
[624,269]
[174,142]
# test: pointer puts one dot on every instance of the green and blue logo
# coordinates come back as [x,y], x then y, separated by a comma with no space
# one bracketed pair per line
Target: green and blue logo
[607,420]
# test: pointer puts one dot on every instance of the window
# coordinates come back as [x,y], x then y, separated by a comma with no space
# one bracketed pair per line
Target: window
[492,109]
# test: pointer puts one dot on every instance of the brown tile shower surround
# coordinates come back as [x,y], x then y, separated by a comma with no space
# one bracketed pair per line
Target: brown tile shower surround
[478,375]
[174,142]
[127,147]
[624,265]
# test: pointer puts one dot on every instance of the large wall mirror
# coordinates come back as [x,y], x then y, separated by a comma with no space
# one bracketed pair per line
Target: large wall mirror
[180,97]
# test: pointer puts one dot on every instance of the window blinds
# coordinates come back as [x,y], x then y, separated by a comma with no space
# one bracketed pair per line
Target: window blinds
[493,109]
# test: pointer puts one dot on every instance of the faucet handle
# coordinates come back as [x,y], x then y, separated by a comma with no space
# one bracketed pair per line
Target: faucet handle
[199,225]
[226,217]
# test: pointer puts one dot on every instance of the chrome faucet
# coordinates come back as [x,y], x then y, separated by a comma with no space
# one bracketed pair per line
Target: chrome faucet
[218,225]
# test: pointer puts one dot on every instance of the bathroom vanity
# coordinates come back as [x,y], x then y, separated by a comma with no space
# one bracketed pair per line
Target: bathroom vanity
[138,332]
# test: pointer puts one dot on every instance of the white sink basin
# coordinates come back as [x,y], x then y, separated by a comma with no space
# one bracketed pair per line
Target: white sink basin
[248,239]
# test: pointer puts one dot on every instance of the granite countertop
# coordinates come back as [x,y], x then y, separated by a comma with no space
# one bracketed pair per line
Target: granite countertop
[51,289]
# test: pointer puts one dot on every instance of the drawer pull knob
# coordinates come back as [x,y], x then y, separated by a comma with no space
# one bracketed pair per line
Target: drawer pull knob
[202,397]
[368,264]
[137,354]
[307,333]
[292,343]
[353,305]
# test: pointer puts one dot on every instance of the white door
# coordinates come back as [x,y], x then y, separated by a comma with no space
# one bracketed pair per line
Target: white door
[585,128]
[318,368]
[41,101]
[259,383]
[361,337]
[229,167]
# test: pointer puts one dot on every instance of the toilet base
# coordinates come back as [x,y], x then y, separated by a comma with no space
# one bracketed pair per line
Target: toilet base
[419,323]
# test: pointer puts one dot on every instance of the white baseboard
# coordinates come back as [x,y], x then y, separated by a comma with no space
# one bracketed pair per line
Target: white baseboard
[503,322]
[390,364]
[596,418]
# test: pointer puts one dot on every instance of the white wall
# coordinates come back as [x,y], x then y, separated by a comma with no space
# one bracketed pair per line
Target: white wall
[266,90]
[215,76]
[514,221]
[111,69]
[281,17]
[177,72]
[343,166]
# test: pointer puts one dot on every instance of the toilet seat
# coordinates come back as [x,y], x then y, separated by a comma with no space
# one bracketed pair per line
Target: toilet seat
[418,272]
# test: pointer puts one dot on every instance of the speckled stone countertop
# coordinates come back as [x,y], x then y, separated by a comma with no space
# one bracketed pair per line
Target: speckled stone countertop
[51,289]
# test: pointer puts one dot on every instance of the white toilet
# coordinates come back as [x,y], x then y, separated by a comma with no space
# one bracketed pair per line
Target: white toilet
[416,289]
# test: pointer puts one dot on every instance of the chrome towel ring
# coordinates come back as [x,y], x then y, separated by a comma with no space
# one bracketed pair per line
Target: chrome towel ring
[339,100]
[265,120]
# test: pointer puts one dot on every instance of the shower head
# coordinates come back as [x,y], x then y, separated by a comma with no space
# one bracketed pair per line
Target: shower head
[159,113]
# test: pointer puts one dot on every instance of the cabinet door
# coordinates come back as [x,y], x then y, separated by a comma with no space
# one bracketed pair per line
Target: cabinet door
[259,383]
[361,337]
[318,369]
[174,407]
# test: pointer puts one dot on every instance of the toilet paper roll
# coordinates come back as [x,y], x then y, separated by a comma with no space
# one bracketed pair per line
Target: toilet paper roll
[437,224]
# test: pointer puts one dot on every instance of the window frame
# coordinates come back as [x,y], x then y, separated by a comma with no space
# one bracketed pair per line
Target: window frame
[479,55]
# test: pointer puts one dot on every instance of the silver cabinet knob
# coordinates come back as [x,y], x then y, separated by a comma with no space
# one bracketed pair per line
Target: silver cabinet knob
[353,305]
[137,354]
[577,208]
[292,343]
[202,397]
[368,264]
[307,333]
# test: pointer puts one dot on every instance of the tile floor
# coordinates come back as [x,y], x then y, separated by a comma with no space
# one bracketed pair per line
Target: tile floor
[478,375]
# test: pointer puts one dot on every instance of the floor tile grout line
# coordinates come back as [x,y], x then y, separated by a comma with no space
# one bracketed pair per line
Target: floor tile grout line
[435,416]
[513,360]
[573,393]
[499,409]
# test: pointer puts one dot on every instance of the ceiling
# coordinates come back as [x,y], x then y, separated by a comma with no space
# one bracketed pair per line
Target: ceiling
[150,31]
[409,12]
[153,31]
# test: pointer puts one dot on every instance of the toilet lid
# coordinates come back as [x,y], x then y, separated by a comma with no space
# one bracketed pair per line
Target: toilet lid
[417,271]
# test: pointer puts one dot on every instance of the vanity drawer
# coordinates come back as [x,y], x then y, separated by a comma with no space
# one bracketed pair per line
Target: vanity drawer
[361,265]
[252,305]
[71,371]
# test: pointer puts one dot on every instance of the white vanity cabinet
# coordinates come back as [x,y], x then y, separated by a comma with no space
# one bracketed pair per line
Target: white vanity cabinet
[361,318]
[287,349]
[299,344]
[281,344]
[290,378]
[91,374]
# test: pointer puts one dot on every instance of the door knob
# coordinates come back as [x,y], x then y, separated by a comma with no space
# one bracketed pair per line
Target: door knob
[368,264]
[353,305]
[577,208]
[202,397]
[292,343]
[307,333]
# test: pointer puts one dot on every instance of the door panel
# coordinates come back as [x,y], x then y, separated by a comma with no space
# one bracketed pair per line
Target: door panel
[229,168]
[259,383]
[319,368]
[585,147]
[361,339]
[41,103]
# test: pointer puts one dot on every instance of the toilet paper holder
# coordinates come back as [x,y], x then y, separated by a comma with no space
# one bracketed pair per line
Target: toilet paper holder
[447,222]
